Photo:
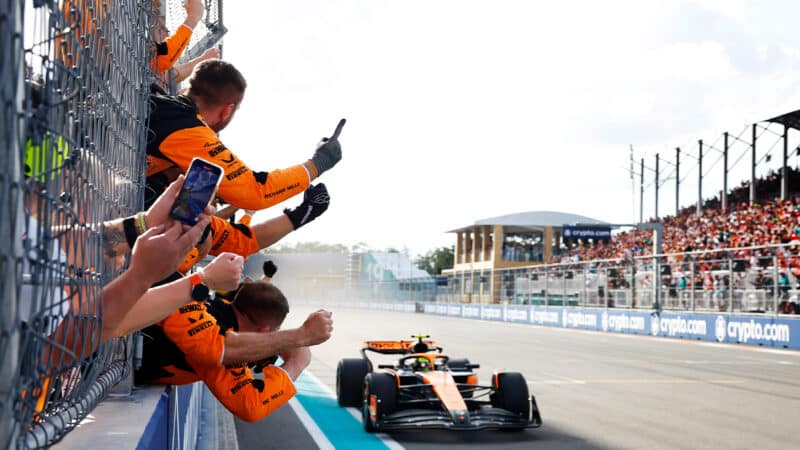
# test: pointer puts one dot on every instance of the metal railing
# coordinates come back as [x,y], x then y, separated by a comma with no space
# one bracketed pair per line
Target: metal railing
[714,280]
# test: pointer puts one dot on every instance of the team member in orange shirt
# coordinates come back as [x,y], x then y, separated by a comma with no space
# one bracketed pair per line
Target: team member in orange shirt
[215,341]
[185,126]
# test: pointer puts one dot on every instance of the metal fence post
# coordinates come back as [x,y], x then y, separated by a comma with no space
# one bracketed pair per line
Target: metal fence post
[546,286]
[12,69]
[730,284]
[775,279]
[692,286]
[585,289]
[633,284]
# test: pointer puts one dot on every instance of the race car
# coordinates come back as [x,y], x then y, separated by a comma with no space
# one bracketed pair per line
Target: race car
[427,389]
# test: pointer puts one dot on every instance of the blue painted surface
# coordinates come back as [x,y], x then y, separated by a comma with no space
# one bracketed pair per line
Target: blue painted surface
[155,435]
[340,427]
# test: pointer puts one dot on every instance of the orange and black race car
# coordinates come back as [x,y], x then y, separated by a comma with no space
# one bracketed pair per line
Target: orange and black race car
[427,389]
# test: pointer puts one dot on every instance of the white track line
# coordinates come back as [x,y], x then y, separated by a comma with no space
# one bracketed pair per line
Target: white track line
[316,434]
[385,438]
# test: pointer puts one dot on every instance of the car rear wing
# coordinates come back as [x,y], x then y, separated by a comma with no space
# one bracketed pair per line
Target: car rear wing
[398,347]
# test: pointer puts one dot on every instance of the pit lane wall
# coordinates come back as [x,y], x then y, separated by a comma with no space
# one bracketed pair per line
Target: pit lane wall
[760,330]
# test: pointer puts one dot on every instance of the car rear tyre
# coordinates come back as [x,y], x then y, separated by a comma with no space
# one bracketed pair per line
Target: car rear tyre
[350,375]
[511,394]
[384,387]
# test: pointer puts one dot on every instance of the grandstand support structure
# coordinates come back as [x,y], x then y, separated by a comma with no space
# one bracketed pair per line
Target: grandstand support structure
[699,178]
[677,180]
[733,147]
[753,165]
[725,172]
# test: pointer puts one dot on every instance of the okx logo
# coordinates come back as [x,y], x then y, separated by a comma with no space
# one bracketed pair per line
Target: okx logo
[721,328]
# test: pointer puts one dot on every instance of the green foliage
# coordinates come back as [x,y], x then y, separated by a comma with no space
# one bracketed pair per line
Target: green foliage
[435,260]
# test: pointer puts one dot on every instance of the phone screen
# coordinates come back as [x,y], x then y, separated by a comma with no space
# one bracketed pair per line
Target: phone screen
[198,189]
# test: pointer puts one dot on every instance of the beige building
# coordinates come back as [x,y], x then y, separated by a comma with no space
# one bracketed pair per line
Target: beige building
[483,249]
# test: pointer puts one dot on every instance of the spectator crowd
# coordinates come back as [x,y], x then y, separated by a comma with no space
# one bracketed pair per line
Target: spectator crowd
[753,236]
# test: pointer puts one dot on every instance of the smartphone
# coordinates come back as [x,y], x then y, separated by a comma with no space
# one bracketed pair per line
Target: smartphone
[199,186]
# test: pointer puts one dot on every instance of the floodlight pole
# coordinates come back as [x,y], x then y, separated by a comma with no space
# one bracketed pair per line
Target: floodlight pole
[725,174]
[656,214]
[785,168]
[677,180]
[641,193]
[700,179]
[753,167]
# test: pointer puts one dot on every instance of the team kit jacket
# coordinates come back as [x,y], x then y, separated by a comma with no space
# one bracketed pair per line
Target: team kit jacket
[178,133]
[188,346]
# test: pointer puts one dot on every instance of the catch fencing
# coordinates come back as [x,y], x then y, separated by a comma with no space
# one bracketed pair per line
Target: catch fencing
[747,280]
[74,90]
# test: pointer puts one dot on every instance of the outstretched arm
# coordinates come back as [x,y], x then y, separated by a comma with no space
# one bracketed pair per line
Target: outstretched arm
[253,346]
[182,71]
[168,52]
[241,186]
[223,273]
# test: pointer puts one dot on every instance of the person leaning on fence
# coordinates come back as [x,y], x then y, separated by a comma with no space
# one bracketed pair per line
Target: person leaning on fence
[128,302]
[194,344]
[159,251]
[169,49]
[185,126]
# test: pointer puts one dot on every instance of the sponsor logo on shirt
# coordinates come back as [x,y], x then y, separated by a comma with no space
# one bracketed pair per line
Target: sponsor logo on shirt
[201,327]
[236,173]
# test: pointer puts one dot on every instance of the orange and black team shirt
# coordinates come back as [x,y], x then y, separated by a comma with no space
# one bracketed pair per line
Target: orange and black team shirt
[188,346]
[177,134]
[236,238]
[168,52]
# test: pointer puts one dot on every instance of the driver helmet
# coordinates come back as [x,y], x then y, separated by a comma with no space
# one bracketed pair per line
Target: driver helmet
[423,364]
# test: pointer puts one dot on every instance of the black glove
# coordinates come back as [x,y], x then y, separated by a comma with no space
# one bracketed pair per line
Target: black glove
[315,202]
[269,268]
[329,151]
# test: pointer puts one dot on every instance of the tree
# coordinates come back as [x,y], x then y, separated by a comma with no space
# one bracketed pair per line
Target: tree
[435,260]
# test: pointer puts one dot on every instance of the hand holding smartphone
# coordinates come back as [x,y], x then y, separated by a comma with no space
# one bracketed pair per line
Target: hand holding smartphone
[201,183]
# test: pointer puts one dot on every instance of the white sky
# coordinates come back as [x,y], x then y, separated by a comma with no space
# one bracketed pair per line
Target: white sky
[463,110]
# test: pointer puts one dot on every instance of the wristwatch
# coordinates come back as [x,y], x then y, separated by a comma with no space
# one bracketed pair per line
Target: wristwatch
[199,290]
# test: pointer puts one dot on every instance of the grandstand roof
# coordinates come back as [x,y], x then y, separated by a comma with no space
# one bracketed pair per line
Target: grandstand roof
[790,119]
[534,219]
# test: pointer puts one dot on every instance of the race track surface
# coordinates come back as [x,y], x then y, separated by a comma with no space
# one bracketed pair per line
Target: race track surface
[595,390]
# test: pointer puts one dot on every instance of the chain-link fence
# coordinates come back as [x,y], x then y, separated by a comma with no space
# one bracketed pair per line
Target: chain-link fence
[207,33]
[74,88]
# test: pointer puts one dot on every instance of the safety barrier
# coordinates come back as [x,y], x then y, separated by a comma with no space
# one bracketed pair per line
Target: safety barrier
[760,330]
